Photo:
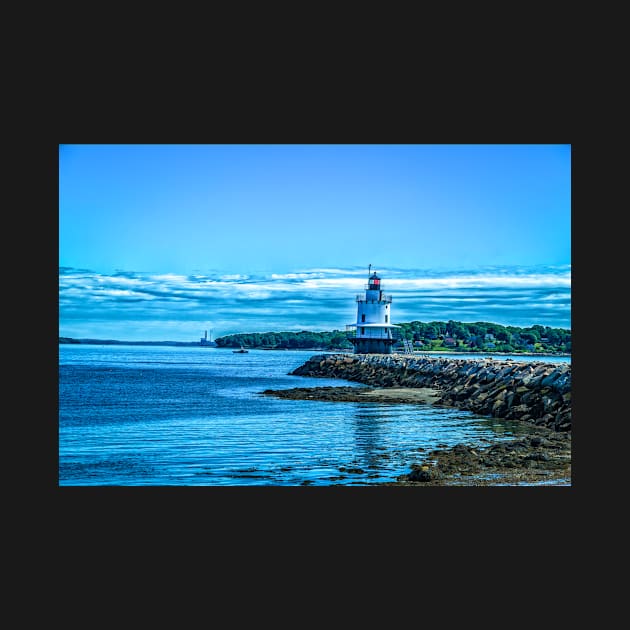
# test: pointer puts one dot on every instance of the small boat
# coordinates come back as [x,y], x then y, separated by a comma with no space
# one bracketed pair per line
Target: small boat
[241,351]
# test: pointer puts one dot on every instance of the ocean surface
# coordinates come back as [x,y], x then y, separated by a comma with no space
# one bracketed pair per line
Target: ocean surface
[194,416]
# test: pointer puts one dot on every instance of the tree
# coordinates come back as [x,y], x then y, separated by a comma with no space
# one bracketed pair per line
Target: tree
[504,336]
[457,329]
[529,337]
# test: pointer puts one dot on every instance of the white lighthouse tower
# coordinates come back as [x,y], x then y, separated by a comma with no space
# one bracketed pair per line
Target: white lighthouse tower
[374,332]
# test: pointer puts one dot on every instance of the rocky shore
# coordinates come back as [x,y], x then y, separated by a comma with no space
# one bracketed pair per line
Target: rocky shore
[529,391]
[358,394]
[543,459]
[535,393]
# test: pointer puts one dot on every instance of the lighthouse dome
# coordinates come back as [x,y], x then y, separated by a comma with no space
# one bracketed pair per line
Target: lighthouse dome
[374,281]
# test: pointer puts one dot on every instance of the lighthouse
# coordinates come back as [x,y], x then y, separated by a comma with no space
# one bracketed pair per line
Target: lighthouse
[374,332]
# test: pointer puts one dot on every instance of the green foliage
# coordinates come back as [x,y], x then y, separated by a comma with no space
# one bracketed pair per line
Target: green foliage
[468,337]
[289,340]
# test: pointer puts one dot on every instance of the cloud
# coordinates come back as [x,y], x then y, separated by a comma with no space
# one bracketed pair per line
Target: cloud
[135,303]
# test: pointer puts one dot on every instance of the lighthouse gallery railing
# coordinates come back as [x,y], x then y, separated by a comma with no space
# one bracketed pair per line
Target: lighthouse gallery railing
[352,332]
[384,298]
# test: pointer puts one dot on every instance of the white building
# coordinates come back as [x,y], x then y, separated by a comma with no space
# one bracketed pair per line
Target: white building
[373,332]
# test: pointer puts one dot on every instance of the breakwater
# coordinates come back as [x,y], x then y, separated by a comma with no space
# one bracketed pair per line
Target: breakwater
[534,392]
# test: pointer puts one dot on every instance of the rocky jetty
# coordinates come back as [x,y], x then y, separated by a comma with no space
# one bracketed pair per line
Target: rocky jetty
[529,391]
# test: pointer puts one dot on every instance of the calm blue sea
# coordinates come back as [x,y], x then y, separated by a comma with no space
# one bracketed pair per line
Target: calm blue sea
[193,416]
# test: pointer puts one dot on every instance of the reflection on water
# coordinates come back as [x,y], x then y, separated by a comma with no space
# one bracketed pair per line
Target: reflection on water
[503,427]
[368,434]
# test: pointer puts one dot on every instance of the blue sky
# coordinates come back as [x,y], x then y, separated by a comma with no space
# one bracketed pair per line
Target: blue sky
[162,242]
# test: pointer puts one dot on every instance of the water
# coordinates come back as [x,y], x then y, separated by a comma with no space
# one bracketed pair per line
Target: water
[171,416]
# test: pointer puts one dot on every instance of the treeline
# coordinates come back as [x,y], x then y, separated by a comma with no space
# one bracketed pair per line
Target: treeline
[484,336]
[335,340]
[431,336]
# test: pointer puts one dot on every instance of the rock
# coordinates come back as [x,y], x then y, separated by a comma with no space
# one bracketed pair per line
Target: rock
[506,389]
[421,473]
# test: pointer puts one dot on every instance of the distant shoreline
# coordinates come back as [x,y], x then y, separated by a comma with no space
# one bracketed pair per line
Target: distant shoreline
[196,344]
[115,342]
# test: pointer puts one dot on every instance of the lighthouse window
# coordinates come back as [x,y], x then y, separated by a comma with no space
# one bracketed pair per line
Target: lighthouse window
[363,331]
[363,317]
[386,316]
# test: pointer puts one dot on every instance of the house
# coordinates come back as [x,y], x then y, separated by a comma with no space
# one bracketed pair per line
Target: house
[449,341]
